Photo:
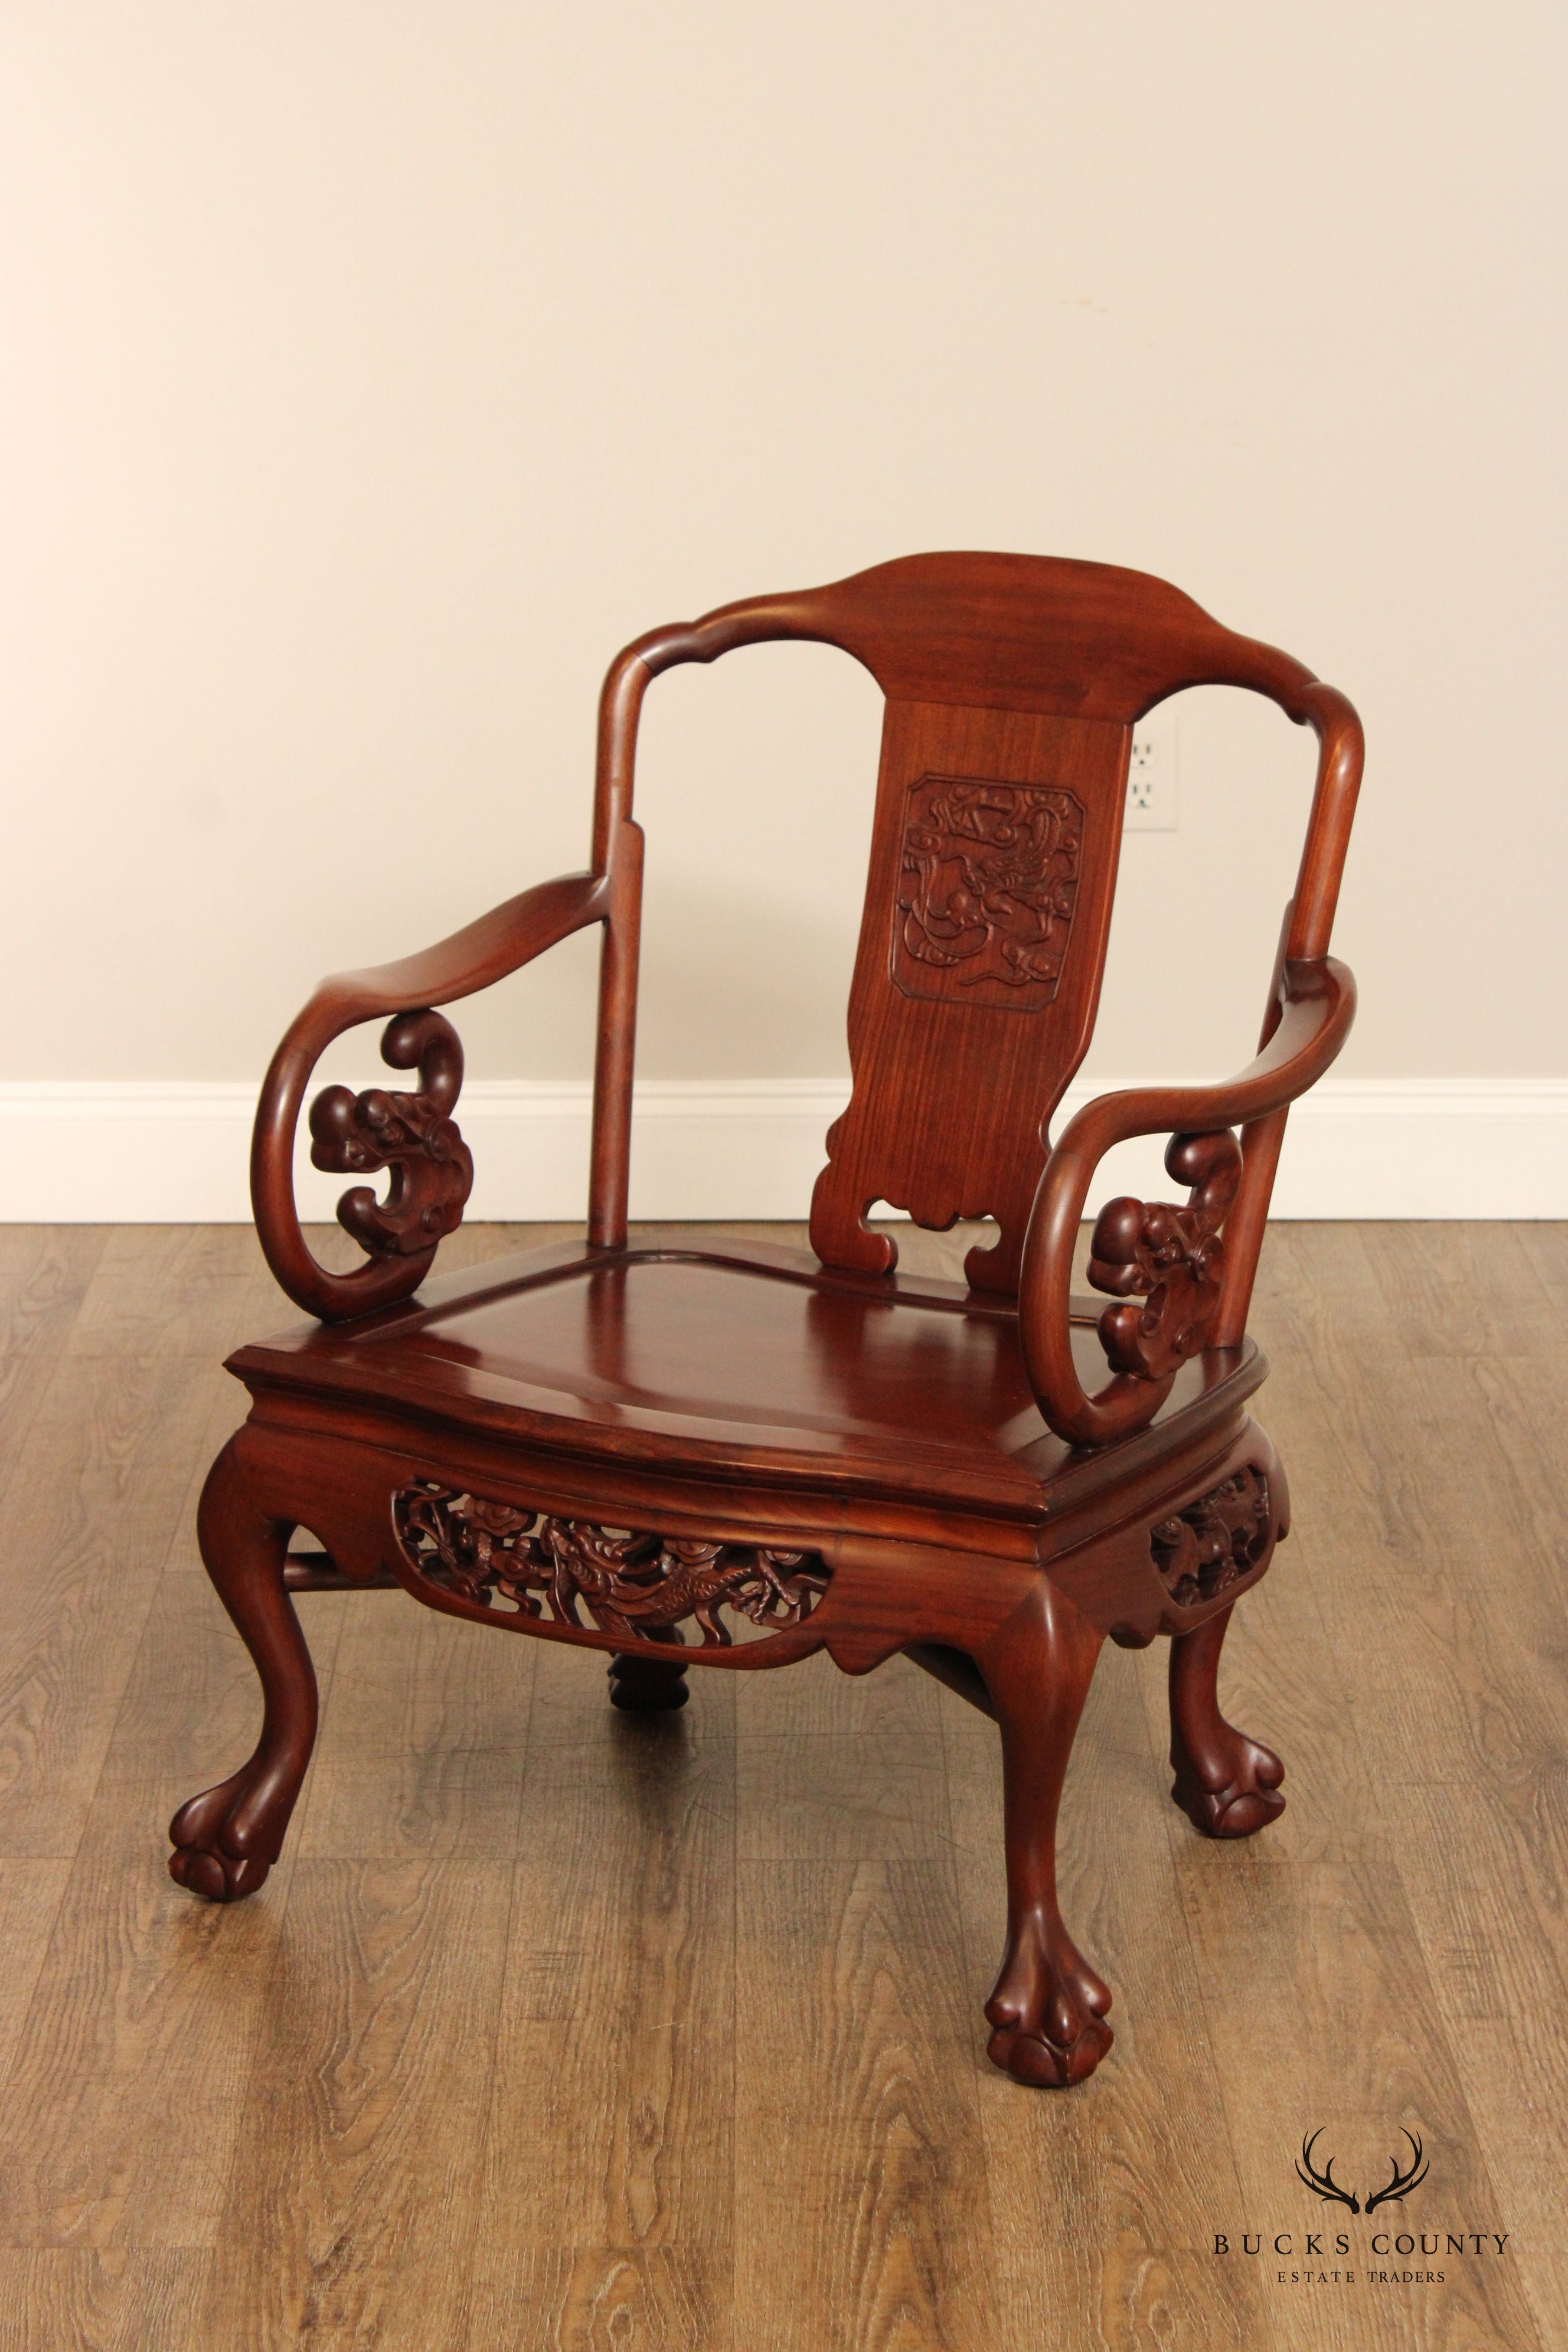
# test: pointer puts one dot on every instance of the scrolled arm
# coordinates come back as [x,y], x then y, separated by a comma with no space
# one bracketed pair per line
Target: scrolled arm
[413,1134]
[1172,1258]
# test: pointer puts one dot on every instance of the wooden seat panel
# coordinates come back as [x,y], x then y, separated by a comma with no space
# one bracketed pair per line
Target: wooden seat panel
[679,1354]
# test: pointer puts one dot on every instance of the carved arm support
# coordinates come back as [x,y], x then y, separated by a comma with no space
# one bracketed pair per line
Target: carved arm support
[1172,1258]
[413,1134]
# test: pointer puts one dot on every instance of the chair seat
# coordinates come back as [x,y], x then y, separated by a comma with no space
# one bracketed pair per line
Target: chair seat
[752,1359]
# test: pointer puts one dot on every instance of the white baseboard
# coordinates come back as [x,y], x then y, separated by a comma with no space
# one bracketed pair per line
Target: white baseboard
[151,1151]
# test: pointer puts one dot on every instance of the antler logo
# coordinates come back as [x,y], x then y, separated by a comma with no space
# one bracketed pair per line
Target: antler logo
[1323,2184]
[1401,2182]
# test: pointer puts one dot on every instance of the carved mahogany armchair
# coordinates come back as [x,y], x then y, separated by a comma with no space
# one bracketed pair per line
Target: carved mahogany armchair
[686,1451]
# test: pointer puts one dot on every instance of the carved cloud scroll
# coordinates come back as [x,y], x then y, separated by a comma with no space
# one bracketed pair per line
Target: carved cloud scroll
[636,1586]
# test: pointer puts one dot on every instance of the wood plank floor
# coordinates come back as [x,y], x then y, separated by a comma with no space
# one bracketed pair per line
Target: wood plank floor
[560,2028]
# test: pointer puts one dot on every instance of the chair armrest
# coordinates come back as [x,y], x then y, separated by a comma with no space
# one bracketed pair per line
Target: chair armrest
[414,1134]
[1172,1259]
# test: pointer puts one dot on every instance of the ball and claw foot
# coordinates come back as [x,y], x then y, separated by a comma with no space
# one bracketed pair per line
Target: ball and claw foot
[1227,1785]
[646,1685]
[218,1852]
[1234,1791]
[1047,2011]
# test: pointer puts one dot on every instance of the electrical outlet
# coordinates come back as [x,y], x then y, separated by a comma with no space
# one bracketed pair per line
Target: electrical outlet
[1151,777]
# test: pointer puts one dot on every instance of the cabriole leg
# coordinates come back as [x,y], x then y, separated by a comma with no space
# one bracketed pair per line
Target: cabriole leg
[228,1839]
[1047,2011]
[1226,1784]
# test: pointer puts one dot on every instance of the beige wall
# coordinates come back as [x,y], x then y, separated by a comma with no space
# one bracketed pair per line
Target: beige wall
[372,372]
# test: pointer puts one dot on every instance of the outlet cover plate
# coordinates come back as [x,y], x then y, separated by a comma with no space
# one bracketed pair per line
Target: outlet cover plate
[1151,777]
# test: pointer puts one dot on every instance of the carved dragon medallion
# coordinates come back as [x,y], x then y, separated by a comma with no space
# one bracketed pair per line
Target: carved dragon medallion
[986,889]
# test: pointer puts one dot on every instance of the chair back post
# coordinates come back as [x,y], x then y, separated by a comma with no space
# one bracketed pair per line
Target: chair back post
[1261,1142]
[1304,937]
[617,854]
[1341,753]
